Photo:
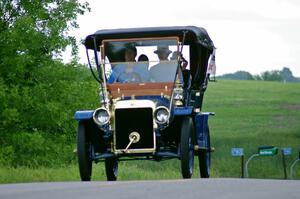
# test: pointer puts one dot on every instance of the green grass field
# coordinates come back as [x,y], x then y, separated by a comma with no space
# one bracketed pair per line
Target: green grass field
[248,114]
[251,114]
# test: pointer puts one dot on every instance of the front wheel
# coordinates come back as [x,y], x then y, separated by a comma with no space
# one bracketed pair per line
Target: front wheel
[187,148]
[83,150]
[111,168]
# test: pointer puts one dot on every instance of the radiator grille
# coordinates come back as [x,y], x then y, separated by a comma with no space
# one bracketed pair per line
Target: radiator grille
[134,120]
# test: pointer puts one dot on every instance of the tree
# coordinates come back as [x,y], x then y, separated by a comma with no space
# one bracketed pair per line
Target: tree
[38,93]
[239,75]
[34,32]
[287,75]
[273,75]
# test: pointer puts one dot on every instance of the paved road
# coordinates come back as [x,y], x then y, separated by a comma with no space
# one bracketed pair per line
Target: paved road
[166,189]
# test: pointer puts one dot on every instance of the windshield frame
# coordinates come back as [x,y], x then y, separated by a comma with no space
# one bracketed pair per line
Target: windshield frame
[108,59]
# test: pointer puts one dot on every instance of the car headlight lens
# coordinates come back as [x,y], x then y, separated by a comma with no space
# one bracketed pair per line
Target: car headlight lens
[101,116]
[161,115]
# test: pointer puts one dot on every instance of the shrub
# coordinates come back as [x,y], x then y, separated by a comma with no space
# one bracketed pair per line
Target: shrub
[35,150]
[36,120]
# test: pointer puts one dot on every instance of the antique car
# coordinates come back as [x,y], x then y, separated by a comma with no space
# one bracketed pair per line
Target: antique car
[152,83]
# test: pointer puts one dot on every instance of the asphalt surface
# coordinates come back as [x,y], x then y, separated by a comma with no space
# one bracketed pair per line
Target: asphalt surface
[167,189]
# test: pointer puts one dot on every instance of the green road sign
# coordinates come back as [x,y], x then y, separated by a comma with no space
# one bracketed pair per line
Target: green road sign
[267,150]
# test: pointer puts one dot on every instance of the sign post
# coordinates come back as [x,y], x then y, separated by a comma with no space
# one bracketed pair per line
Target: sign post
[262,151]
[285,152]
[239,152]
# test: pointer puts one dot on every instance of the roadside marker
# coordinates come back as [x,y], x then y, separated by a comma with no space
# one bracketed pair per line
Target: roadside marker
[262,151]
[239,152]
[285,152]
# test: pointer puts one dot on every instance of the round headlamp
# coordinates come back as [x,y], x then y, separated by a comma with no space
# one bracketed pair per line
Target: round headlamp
[161,115]
[101,116]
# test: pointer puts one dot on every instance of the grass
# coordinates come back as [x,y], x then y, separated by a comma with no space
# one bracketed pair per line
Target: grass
[251,114]
[248,114]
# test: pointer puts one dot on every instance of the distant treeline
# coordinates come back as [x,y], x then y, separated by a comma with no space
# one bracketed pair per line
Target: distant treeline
[284,75]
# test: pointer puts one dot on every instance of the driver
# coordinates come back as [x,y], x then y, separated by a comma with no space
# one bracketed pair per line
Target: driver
[126,72]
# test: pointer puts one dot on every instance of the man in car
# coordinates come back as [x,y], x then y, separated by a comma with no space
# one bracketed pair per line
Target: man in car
[165,70]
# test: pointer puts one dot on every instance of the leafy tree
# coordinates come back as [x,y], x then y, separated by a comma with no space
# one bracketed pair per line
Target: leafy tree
[287,75]
[239,75]
[257,77]
[38,119]
[273,75]
[32,33]
[39,94]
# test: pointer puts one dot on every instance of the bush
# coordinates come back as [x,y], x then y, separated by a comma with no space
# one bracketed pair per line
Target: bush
[36,120]
[36,149]
[6,155]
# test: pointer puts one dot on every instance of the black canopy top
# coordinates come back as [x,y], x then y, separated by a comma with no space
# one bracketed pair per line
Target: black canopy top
[193,35]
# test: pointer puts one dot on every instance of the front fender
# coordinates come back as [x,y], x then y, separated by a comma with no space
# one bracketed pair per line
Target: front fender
[202,129]
[181,111]
[83,115]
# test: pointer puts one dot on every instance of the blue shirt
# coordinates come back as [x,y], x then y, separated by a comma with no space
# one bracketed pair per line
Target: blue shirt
[132,72]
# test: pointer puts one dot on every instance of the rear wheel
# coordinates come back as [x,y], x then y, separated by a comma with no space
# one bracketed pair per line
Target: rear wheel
[205,159]
[83,149]
[111,168]
[187,148]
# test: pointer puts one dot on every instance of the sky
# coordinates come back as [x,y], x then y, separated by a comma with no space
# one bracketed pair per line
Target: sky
[250,35]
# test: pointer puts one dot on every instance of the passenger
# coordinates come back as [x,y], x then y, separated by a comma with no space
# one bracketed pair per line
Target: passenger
[163,53]
[184,75]
[124,72]
[174,56]
[143,67]
[182,60]
[165,70]
[143,57]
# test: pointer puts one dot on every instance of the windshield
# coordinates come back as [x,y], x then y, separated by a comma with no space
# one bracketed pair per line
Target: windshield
[140,60]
